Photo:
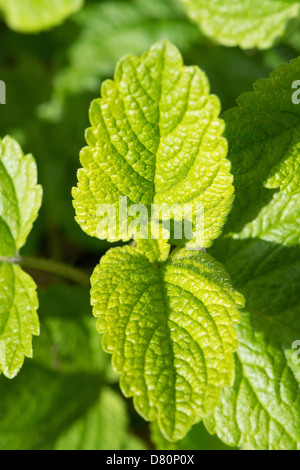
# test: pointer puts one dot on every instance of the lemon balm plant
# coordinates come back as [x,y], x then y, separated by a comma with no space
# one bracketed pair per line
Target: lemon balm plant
[156,137]
[202,324]
[170,316]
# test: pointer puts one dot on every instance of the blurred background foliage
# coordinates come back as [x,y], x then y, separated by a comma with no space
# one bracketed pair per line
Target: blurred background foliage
[67,397]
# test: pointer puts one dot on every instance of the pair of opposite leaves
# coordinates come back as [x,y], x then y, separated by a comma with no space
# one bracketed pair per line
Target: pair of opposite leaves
[156,137]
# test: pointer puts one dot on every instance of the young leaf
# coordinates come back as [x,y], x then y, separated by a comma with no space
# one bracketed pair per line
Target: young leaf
[20,200]
[263,133]
[263,406]
[277,222]
[156,139]
[31,16]
[243,23]
[170,330]
[155,250]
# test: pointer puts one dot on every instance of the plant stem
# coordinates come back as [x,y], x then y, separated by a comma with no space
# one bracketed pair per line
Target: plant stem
[53,267]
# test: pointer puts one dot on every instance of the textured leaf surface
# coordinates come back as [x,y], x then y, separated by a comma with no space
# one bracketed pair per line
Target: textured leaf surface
[255,23]
[18,317]
[20,196]
[263,133]
[263,406]
[155,250]
[60,401]
[155,138]
[20,200]
[170,331]
[33,16]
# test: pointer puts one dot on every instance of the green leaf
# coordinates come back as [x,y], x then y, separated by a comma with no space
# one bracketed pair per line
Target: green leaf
[18,317]
[155,250]
[262,408]
[33,16]
[62,400]
[170,330]
[20,196]
[263,133]
[156,139]
[247,205]
[20,200]
[258,23]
